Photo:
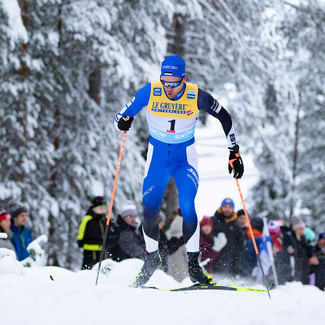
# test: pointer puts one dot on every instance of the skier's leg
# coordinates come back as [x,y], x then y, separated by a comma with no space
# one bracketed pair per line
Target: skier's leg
[154,185]
[187,182]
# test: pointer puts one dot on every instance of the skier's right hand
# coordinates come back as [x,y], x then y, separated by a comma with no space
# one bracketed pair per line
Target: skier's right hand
[124,123]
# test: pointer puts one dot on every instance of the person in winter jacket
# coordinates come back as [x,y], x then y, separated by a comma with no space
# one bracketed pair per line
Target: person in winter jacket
[242,223]
[317,262]
[127,239]
[284,251]
[91,232]
[167,246]
[208,244]
[224,221]
[5,222]
[22,235]
[304,250]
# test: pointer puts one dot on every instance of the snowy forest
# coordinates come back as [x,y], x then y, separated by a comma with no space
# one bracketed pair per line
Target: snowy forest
[68,66]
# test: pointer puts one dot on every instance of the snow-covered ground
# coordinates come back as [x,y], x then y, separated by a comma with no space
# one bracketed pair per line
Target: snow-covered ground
[72,298]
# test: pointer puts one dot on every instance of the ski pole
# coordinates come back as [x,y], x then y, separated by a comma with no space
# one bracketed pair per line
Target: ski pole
[252,235]
[111,206]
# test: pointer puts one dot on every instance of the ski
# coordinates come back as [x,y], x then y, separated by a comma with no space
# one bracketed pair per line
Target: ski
[198,286]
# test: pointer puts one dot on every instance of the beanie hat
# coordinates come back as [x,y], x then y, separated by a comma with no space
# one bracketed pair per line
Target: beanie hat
[297,223]
[257,223]
[206,221]
[128,209]
[98,201]
[321,236]
[173,66]
[274,227]
[4,215]
[15,209]
[240,212]
[228,201]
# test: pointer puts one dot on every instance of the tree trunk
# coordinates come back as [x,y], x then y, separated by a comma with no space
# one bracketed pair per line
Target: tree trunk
[95,84]
[24,95]
[295,159]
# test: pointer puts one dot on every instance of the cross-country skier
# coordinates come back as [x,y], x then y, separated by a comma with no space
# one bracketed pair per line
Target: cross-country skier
[172,108]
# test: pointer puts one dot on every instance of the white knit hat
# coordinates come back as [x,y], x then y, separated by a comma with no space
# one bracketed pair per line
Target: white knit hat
[128,209]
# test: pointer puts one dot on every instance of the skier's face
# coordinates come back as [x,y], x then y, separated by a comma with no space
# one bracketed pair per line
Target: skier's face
[172,92]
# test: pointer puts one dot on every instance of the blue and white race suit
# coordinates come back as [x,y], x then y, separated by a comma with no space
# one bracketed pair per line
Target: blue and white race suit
[172,152]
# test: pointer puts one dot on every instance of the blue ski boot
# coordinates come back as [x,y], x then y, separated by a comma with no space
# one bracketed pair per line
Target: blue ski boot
[152,262]
[195,271]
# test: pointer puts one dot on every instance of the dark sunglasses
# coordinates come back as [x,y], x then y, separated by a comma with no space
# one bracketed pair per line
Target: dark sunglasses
[172,84]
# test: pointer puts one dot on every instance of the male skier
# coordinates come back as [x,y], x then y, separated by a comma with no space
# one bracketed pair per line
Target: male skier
[172,108]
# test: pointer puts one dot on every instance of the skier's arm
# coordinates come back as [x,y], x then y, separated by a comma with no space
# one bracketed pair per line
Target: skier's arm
[207,103]
[140,100]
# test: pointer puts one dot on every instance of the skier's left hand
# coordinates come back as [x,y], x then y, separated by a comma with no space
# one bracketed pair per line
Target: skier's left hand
[235,162]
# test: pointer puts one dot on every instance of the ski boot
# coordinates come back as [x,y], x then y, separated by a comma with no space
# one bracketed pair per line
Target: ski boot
[195,271]
[152,262]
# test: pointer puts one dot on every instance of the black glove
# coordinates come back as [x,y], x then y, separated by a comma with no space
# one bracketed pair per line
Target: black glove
[235,162]
[124,123]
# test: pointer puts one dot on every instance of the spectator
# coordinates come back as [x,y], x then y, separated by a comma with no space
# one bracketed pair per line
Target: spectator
[224,221]
[283,251]
[210,246]
[5,218]
[129,240]
[22,236]
[241,220]
[317,262]
[257,227]
[177,262]
[167,246]
[304,251]
[91,232]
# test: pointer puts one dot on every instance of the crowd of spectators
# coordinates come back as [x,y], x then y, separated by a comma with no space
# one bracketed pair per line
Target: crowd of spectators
[226,243]
[298,254]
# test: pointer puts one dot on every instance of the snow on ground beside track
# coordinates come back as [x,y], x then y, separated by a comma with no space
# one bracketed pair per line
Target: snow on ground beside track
[73,298]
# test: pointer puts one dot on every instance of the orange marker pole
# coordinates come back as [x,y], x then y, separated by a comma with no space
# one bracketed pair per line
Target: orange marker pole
[252,234]
[111,206]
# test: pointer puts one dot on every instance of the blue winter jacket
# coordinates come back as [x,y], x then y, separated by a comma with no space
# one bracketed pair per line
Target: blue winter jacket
[21,238]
